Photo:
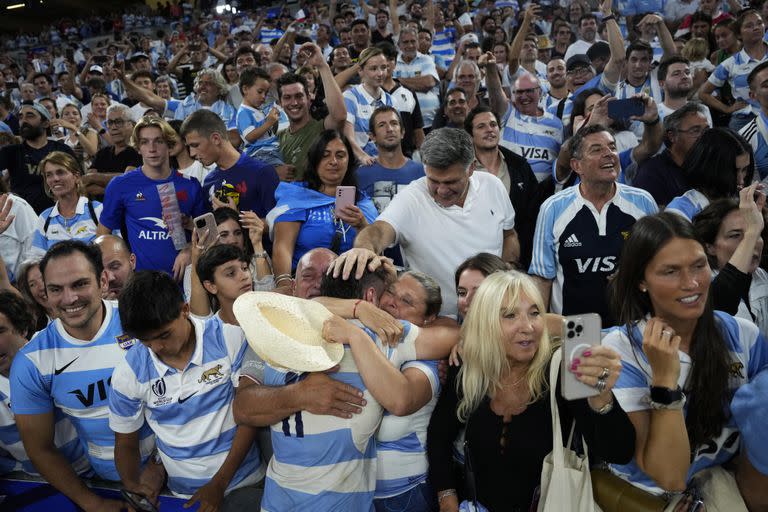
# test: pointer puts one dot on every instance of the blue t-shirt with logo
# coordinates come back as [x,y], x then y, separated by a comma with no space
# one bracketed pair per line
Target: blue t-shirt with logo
[132,202]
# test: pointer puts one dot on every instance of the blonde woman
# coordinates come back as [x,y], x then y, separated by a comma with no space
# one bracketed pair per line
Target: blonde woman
[501,395]
[74,216]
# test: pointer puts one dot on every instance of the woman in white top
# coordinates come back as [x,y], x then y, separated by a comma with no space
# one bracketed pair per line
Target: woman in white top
[83,139]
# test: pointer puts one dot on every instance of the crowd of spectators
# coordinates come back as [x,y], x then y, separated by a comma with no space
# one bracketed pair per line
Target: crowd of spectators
[456,180]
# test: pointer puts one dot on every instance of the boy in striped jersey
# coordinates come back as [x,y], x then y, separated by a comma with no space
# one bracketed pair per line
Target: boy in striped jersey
[185,389]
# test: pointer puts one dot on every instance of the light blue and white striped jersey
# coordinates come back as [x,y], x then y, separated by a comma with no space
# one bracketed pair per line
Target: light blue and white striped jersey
[651,87]
[444,45]
[688,204]
[756,133]
[535,138]
[360,106]
[421,65]
[401,442]
[735,70]
[643,6]
[598,81]
[268,34]
[55,370]
[748,352]
[221,108]
[325,462]
[171,106]
[249,118]
[15,457]
[82,226]
[189,411]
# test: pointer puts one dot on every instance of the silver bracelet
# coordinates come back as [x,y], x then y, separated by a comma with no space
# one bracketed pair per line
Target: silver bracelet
[444,494]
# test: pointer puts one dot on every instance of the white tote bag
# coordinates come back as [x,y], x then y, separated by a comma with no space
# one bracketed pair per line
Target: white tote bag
[566,485]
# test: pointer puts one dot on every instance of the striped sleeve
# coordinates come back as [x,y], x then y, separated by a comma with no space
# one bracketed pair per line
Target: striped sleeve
[126,408]
[543,262]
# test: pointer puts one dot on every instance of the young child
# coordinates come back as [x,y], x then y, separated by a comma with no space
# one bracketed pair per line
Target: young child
[696,50]
[258,125]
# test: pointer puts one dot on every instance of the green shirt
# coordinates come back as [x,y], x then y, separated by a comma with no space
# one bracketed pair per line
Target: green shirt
[294,146]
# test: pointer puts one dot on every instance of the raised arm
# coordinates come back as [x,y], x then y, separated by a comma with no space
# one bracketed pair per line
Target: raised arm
[144,96]
[394,19]
[615,65]
[496,96]
[517,43]
[288,37]
[653,133]
[337,111]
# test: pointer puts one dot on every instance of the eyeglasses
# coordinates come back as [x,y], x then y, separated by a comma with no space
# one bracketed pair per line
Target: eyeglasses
[117,123]
[578,71]
[403,299]
[694,130]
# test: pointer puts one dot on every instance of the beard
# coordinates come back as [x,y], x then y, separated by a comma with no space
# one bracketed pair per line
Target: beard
[29,132]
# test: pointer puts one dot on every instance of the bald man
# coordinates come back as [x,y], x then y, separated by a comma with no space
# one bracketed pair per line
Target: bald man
[526,129]
[119,263]
[310,270]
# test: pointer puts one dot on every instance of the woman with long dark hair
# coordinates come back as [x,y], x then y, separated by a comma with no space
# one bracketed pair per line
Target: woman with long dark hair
[682,362]
[305,216]
[718,166]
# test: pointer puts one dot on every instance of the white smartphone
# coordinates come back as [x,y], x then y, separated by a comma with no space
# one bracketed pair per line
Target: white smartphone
[207,222]
[580,333]
[345,196]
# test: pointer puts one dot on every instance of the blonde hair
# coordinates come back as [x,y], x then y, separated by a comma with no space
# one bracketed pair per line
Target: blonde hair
[66,161]
[483,352]
[696,49]
[169,134]
[368,54]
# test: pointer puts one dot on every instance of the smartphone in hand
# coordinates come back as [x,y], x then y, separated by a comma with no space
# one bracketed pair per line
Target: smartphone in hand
[624,109]
[203,223]
[345,196]
[580,333]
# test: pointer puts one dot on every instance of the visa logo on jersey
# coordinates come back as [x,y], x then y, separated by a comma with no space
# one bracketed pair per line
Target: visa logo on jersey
[599,264]
[535,153]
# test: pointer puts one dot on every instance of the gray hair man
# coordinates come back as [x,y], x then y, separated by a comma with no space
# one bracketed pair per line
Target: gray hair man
[460,213]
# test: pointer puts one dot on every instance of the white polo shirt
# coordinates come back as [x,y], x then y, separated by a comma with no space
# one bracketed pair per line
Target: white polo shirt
[436,240]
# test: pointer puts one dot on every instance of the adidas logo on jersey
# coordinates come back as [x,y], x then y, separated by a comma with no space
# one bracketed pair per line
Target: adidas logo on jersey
[572,241]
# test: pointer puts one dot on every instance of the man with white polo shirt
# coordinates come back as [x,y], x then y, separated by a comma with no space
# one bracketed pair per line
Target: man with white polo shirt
[185,389]
[451,212]
[527,130]
[68,366]
[417,72]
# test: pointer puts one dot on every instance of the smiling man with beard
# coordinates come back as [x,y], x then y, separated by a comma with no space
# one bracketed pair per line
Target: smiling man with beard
[22,160]
[68,366]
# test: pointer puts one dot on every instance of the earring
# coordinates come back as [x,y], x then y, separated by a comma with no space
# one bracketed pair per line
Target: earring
[644,289]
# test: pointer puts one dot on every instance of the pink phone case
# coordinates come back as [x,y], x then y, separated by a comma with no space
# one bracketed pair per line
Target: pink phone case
[345,196]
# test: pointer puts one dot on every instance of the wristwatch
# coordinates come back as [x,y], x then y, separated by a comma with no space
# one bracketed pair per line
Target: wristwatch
[666,398]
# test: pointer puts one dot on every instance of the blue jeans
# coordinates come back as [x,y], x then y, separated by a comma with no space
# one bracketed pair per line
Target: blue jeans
[419,499]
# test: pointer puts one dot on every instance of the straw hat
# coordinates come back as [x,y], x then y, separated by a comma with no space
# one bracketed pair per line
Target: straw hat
[286,331]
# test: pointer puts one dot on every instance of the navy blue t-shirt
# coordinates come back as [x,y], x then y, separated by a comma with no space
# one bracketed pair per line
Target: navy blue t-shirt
[382,184]
[250,183]
[22,161]
[132,199]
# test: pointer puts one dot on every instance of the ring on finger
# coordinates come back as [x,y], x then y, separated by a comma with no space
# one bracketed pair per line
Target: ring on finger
[600,385]
[605,374]
[666,332]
